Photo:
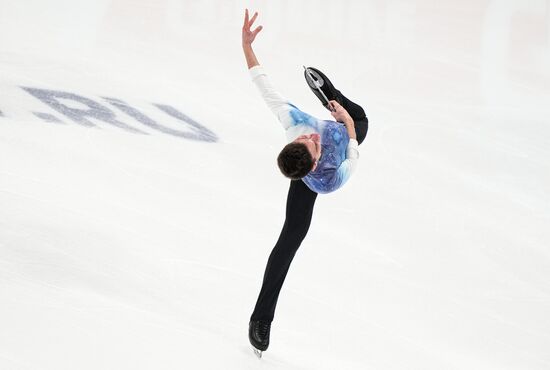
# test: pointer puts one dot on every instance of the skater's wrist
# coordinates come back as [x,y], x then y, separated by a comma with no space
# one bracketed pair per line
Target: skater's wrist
[249,55]
[350,127]
[348,121]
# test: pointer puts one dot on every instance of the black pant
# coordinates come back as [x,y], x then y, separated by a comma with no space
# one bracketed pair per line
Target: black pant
[360,119]
[299,210]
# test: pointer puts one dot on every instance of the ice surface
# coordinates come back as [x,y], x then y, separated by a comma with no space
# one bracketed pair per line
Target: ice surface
[125,250]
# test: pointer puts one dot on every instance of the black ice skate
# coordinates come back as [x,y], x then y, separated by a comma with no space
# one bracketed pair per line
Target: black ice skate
[258,334]
[321,87]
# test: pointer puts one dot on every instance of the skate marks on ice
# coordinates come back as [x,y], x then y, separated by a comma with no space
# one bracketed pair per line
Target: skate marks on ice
[12,364]
[130,308]
[191,278]
[308,318]
[273,359]
[466,150]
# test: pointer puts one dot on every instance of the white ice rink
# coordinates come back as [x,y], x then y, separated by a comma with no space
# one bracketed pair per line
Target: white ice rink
[124,250]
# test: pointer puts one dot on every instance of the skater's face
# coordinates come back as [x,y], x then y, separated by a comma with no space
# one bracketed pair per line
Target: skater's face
[313,144]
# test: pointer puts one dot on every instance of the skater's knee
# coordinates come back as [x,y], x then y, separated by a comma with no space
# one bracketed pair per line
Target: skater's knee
[361,128]
[295,235]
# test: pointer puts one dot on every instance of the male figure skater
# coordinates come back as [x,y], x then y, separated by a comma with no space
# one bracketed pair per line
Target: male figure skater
[320,158]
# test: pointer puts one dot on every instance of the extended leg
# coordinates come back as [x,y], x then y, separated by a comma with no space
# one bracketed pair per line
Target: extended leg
[355,111]
[359,118]
[299,210]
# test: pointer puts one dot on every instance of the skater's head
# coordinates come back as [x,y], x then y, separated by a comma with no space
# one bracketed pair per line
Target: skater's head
[300,157]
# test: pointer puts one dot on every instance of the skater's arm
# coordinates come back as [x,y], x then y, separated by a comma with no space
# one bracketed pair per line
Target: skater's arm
[341,115]
[348,166]
[274,100]
[352,158]
[248,38]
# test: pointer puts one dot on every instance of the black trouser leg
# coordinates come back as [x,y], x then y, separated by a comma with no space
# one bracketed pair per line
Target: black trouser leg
[359,117]
[361,128]
[355,110]
[299,210]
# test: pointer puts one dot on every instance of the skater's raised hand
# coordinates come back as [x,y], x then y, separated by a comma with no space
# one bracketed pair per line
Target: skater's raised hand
[248,39]
[248,34]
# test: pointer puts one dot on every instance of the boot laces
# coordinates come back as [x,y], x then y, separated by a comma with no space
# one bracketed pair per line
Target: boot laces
[263,328]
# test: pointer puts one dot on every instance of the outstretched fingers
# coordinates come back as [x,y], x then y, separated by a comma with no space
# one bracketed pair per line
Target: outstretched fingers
[249,35]
[253,19]
[245,18]
[247,21]
[257,30]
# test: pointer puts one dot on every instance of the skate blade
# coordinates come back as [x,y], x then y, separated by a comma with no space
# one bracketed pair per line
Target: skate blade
[257,352]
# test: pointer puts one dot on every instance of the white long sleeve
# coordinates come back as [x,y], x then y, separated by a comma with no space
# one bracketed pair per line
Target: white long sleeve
[274,100]
[352,155]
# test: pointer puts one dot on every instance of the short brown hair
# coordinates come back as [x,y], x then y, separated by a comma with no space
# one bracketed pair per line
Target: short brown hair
[295,161]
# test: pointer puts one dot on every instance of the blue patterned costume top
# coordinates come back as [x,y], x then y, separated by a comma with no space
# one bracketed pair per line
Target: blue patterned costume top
[329,175]
[339,153]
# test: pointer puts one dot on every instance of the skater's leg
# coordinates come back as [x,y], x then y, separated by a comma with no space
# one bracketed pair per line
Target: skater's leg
[318,80]
[361,128]
[299,210]
[356,112]
[359,118]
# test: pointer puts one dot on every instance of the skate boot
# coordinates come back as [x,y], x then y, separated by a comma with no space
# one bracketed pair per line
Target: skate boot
[258,334]
[321,86]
